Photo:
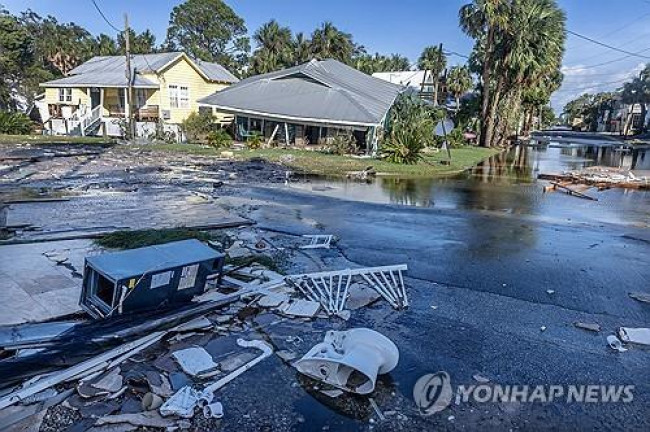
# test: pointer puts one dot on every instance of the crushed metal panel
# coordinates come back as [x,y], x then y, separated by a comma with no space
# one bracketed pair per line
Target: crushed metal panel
[147,278]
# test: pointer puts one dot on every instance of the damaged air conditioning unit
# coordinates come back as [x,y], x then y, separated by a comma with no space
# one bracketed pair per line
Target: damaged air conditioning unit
[350,360]
[147,278]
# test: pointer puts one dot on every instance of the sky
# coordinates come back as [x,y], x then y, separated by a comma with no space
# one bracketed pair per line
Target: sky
[404,27]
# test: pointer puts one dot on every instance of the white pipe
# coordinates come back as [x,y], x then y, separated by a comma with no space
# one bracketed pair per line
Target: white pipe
[266,352]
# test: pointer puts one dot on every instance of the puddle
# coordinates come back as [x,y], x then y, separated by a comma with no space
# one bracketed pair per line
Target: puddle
[507,183]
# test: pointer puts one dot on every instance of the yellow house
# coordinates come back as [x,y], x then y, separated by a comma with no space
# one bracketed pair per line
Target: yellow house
[92,99]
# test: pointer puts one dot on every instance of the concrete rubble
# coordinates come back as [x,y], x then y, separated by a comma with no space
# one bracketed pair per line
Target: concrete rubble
[178,377]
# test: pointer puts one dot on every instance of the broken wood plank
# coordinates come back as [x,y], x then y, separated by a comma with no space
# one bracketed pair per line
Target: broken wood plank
[573,192]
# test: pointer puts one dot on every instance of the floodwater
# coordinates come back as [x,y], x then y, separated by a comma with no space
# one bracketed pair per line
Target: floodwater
[507,183]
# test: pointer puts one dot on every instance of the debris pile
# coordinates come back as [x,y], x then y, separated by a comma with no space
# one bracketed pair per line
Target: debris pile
[601,178]
[172,369]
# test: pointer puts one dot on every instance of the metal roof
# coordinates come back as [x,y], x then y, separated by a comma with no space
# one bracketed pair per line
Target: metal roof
[102,79]
[109,71]
[325,91]
[151,259]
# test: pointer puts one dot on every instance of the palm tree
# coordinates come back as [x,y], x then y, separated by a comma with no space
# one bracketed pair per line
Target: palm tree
[433,60]
[518,44]
[327,41]
[274,48]
[302,49]
[459,82]
[105,46]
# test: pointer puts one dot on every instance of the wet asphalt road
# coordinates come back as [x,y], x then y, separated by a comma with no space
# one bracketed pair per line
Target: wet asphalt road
[486,274]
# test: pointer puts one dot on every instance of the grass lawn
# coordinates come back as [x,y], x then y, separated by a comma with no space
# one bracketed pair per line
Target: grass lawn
[314,162]
[55,139]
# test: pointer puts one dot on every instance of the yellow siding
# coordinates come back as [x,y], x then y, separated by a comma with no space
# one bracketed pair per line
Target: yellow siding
[79,95]
[182,73]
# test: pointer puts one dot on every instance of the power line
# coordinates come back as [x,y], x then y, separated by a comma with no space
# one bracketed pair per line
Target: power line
[587,87]
[606,45]
[456,54]
[104,16]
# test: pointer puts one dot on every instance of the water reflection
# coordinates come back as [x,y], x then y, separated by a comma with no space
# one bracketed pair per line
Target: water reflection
[507,183]
[409,191]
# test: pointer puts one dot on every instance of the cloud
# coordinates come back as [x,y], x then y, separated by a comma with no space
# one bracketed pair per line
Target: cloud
[580,79]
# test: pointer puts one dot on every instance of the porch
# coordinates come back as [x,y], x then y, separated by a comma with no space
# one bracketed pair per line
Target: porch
[101,108]
[297,134]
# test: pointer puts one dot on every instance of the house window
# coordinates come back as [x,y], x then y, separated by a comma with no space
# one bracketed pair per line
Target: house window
[173,96]
[121,98]
[140,97]
[185,97]
[65,95]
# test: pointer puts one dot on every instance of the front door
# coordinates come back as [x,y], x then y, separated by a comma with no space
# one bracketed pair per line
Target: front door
[95,97]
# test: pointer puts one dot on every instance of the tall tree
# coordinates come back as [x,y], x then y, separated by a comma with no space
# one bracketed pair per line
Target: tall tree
[380,63]
[302,47]
[518,44]
[60,47]
[105,46]
[275,48]
[142,43]
[327,41]
[434,61]
[16,56]
[459,82]
[209,30]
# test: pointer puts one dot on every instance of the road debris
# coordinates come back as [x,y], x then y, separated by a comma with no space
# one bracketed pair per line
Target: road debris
[196,361]
[214,410]
[594,327]
[601,177]
[350,360]
[301,308]
[317,241]
[331,288]
[183,402]
[480,379]
[615,344]
[143,419]
[640,336]
[642,297]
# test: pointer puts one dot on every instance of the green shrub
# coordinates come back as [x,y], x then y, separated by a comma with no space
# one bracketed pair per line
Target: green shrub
[198,125]
[14,123]
[219,139]
[342,144]
[455,138]
[403,146]
[409,131]
[254,141]
[148,237]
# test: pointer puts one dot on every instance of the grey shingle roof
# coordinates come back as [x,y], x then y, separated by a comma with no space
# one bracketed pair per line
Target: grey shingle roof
[323,91]
[109,70]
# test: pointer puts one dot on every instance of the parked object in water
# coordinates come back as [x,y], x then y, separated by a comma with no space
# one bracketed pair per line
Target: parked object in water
[350,360]
[147,278]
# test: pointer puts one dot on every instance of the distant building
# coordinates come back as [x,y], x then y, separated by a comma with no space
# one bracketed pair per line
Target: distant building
[420,81]
[91,100]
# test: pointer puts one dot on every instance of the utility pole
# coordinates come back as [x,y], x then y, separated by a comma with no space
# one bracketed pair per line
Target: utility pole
[129,81]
